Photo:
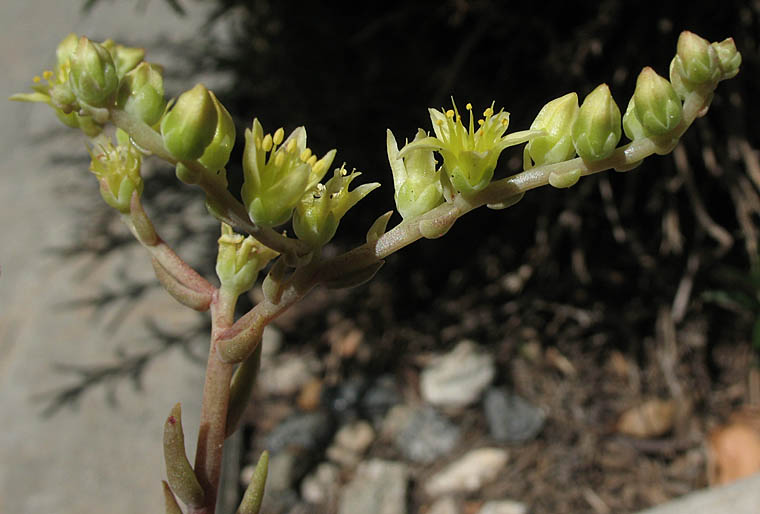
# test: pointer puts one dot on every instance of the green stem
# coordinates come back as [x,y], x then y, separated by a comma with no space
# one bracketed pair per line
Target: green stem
[216,395]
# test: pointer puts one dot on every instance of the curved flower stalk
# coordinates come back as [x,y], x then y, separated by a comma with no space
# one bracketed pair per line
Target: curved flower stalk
[469,153]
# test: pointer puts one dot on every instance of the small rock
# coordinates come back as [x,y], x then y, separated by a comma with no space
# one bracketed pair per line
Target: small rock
[512,419]
[302,430]
[350,443]
[311,394]
[271,340]
[734,449]
[379,487]
[469,473]
[379,398]
[457,378]
[321,486]
[503,507]
[285,374]
[445,505]
[343,399]
[652,418]
[421,434]
[356,436]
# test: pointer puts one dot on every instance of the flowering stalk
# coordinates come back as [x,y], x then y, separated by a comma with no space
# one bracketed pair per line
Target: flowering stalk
[93,84]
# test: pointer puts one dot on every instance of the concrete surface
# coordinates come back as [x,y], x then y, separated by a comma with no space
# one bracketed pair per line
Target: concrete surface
[97,458]
[742,497]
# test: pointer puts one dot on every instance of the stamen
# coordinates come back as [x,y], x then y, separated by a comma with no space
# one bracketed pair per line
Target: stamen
[468,106]
[279,159]
[279,134]
[258,142]
[47,74]
[306,154]
[291,147]
[504,122]
[439,122]
[488,112]
[312,161]
[266,144]
[450,113]
[36,79]
[480,122]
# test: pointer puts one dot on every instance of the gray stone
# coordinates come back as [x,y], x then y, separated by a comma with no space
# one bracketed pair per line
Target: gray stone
[511,418]
[458,378]
[379,487]
[303,431]
[379,398]
[468,473]
[421,433]
[445,505]
[503,507]
[321,486]
[286,373]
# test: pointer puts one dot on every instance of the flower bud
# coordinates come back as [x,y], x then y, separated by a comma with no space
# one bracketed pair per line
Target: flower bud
[417,183]
[239,260]
[118,171]
[317,215]
[66,49]
[597,130]
[696,61]
[93,77]
[190,126]
[556,119]
[729,58]
[655,103]
[141,93]
[217,153]
[124,57]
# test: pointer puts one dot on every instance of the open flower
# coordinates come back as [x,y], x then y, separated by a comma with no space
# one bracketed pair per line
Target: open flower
[277,173]
[469,153]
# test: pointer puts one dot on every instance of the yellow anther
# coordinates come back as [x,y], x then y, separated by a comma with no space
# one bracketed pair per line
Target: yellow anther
[306,154]
[450,113]
[504,122]
[47,74]
[279,134]
[291,146]
[480,122]
[258,142]
[468,106]
[488,112]
[343,172]
[266,144]
[317,166]
[312,161]
[36,79]
[279,159]
[459,118]
[439,122]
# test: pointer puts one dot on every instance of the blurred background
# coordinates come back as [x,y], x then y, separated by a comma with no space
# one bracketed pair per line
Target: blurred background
[630,296]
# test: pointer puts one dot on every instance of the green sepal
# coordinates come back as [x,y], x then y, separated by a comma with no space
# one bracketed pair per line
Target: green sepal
[188,128]
[254,493]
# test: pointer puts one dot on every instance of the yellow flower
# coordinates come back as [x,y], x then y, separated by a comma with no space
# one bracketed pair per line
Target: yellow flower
[469,153]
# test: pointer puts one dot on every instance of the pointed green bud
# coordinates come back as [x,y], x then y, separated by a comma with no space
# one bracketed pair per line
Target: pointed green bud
[141,93]
[277,173]
[597,129]
[217,153]
[93,78]
[189,127]
[318,213]
[417,182]
[124,57]
[239,260]
[254,493]
[179,472]
[729,58]
[656,104]
[696,61]
[118,171]
[556,119]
